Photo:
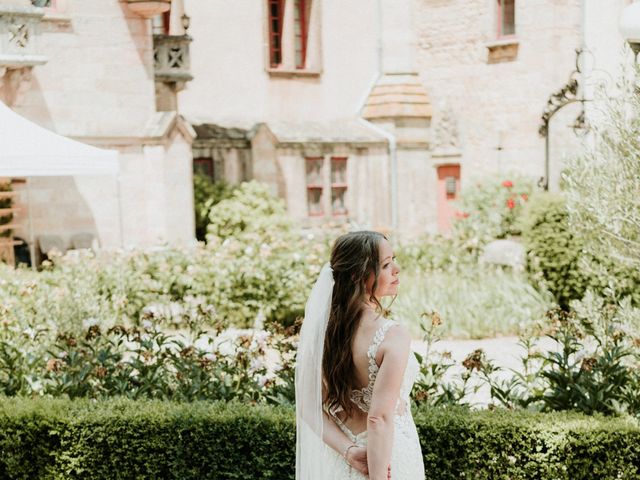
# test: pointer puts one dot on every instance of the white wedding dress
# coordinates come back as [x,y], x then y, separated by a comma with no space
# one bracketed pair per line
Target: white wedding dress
[406,455]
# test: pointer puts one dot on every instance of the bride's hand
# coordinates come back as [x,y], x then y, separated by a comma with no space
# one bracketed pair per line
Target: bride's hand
[357,458]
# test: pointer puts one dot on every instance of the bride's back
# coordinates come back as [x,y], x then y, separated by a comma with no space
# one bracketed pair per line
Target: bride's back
[369,323]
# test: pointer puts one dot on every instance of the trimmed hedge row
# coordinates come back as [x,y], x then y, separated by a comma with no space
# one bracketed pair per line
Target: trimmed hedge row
[124,439]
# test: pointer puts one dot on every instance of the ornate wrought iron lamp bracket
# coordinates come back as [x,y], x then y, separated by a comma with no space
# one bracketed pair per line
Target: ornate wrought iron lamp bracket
[567,95]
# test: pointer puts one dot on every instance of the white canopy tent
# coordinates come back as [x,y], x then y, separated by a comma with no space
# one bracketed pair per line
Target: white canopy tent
[29,150]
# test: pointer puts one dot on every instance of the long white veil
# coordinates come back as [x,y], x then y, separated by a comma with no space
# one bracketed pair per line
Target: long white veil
[312,461]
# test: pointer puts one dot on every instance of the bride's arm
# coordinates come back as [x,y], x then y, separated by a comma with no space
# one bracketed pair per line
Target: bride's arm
[333,436]
[337,440]
[395,350]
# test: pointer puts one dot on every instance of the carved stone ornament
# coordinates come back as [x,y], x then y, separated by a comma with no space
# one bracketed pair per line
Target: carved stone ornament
[149,8]
[446,136]
[19,35]
[13,82]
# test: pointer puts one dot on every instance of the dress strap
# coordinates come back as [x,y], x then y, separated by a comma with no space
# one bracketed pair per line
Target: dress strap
[377,340]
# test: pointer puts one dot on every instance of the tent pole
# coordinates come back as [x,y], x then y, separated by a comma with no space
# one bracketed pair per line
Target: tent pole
[120,222]
[32,246]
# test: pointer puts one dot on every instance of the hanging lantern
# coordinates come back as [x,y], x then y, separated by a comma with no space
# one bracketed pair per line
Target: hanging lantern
[149,8]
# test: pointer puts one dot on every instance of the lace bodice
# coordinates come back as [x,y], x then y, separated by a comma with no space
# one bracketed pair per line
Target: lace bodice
[362,397]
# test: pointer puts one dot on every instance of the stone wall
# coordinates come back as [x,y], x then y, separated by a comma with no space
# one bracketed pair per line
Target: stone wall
[98,87]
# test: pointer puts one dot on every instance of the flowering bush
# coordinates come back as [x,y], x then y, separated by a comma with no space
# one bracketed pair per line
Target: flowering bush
[264,265]
[490,209]
[145,362]
[595,367]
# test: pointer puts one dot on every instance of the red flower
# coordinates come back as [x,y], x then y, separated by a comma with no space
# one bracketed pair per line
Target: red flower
[511,203]
[460,214]
[507,184]
[525,197]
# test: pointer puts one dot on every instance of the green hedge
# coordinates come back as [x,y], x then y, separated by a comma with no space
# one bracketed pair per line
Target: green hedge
[123,439]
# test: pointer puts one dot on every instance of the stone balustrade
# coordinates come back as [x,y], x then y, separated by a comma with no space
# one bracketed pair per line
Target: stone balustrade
[19,35]
[171,58]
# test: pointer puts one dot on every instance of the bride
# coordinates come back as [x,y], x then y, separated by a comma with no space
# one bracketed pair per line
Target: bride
[354,371]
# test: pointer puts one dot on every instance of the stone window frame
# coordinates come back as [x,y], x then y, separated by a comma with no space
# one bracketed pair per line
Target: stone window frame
[326,186]
[337,186]
[288,54]
[160,24]
[499,19]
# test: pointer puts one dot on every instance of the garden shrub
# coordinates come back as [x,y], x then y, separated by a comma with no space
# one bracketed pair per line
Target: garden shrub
[553,250]
[251,208]
[264,264]
[557,260]
[118,439]
[207,193]
[490,209]
[602,183]
[434,253]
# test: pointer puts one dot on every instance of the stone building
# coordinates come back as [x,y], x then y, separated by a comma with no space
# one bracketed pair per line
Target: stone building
[380,112]
[101,72]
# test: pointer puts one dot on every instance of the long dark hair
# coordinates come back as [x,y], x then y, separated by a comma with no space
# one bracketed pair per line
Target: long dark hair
[354,257]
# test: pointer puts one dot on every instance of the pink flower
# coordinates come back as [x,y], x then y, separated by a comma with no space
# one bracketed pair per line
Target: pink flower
[525,197]
[507,184]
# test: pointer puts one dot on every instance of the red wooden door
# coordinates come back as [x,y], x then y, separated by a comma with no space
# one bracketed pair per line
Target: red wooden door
[448,192]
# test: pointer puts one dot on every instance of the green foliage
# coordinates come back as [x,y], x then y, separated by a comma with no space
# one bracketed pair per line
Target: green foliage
[265,266]
[475,301]
[553,249]
[558,262]
[595,366]
[56,439]
[490,209]
[603,183]
[251,209]
[435,253]
[487,445]
[207,193]
[149,363]
[430,387]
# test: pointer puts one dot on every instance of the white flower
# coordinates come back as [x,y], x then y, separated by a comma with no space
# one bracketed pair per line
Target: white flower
[90,322]
[146,324]
[248,251]
[277,366]
[258,324]
[212,357]
[29,332]
[256,364]
[176,309]
[36,385]
[261,337]
[296,257]
[581,354]
[262,380]
[226,348]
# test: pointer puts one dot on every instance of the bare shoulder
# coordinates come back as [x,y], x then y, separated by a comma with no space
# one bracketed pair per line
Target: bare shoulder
[396,341]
